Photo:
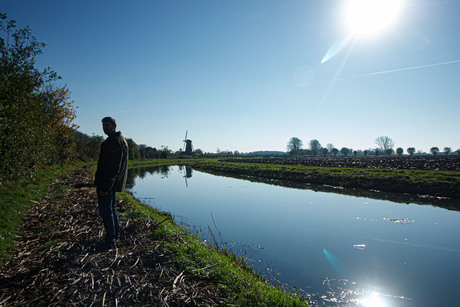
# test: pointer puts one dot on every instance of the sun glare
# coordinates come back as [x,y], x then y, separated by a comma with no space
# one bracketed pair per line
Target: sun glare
[365,17]
[373,300]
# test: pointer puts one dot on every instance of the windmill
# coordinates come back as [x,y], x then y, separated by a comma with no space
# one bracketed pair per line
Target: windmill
[188,148]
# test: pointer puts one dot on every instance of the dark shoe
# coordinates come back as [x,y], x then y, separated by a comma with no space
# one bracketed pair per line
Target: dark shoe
[111,245]
[106,246]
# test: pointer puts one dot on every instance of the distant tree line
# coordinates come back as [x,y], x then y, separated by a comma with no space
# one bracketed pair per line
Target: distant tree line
[142,151]
[384,143]
[87,148]
[36,118]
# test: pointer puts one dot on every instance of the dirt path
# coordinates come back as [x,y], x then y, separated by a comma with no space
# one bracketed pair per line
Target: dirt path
[57,261]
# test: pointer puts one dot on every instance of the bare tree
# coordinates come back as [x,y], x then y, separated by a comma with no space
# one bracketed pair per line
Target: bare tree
[385,143]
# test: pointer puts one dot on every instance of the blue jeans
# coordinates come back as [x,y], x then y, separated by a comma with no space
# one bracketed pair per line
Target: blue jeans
[109,215]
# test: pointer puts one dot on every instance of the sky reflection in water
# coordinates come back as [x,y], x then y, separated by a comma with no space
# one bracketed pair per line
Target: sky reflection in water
[341,249]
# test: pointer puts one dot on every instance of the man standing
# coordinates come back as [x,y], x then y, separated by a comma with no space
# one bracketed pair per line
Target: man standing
[111,174]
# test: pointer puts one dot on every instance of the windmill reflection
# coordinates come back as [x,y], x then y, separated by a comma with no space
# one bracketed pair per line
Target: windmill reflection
[187,172]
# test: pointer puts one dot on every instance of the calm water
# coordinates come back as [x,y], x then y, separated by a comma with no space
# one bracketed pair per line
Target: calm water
[342,250]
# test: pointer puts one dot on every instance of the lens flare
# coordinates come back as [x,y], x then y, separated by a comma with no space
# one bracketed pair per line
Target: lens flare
[336,263]
[335,49]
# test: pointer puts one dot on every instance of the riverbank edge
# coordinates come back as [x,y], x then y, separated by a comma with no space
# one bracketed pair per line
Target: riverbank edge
[420,183]
[209,264]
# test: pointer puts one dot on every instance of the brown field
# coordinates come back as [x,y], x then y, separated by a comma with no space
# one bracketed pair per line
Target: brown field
[437,163]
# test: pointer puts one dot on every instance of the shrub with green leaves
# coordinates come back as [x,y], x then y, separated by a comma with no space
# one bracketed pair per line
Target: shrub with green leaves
[35,118]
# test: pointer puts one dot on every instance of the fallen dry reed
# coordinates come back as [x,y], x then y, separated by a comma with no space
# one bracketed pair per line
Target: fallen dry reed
[58,262]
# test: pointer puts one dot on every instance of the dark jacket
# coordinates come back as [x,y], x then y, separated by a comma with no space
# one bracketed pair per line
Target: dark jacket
[112,166]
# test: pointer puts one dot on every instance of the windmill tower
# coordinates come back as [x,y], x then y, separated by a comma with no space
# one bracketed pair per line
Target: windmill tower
[188,148]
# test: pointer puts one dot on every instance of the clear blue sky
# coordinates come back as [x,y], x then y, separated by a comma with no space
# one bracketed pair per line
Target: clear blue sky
[247,75]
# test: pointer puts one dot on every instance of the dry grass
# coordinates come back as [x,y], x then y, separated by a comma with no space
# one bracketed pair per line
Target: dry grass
[58,261]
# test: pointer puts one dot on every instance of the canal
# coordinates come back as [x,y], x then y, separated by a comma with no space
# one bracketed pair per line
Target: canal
[338,249]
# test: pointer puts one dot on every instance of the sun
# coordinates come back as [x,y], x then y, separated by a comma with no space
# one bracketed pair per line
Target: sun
[366,17]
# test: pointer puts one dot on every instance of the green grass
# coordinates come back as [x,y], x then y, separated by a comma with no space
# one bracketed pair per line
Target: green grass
[234,279]
[16,198]
[435,183]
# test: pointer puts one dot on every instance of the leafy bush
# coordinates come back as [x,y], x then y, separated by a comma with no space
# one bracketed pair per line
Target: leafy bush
[35,118]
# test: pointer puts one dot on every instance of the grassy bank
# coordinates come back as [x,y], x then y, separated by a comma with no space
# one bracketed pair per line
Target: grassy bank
[17,197]
[421,182]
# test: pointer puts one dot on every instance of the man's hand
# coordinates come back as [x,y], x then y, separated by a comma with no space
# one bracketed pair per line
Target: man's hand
[102,193]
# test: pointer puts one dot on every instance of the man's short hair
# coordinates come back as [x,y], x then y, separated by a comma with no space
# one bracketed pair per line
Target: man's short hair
[110,120]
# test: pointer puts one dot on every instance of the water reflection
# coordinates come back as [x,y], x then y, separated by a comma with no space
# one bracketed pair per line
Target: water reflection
[141,172]
[340,250]
[443,202]
[188,173]
[164,170]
